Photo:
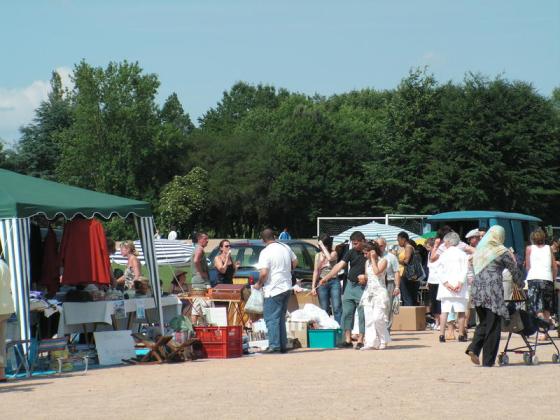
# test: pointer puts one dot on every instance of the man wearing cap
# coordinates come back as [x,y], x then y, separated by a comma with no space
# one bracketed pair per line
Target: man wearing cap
[473,237]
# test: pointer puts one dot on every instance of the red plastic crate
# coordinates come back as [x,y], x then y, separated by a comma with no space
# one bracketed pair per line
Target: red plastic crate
[220,342]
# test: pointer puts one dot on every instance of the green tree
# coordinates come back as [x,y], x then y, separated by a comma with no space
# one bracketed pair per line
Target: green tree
[3,159]
[171,146]
[402,158]
[38,151]
[110,143]
[183,201]
[236,103]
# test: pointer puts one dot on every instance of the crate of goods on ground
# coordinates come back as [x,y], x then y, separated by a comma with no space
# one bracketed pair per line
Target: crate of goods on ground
[220,342]
[324,339]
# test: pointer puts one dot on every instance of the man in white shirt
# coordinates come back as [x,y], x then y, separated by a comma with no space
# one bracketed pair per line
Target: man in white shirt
[393,278]
[276,262]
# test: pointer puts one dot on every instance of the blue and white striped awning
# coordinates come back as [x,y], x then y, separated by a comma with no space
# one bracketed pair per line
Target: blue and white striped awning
[374,230]
[175,253]
[14,237]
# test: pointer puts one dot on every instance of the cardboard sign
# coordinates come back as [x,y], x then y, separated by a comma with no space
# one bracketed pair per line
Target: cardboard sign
[113,346]
[216,316]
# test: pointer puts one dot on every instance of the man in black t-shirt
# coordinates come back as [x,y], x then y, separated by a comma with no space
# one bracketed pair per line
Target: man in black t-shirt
[354,288]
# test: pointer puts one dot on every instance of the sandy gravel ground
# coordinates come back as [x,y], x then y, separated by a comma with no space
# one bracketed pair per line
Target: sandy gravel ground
[417,377]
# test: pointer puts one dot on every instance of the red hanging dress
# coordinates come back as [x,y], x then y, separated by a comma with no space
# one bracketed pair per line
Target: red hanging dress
[83,253]
[50,272]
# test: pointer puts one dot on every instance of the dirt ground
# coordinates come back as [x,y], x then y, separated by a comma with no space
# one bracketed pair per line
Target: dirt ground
[416,377]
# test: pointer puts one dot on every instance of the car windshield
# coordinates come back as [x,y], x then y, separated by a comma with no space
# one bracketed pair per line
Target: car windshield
[247,255]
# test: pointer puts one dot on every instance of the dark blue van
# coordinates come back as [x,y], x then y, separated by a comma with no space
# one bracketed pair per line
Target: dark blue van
[518,226]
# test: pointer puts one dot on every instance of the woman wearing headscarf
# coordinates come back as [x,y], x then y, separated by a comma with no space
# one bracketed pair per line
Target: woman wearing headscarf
[489,261]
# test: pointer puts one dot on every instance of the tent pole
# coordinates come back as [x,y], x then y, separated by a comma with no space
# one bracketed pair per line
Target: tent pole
[14,235]
[145,227]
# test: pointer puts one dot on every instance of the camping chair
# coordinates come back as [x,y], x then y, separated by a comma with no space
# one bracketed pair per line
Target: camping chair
[22,361]
[156,349]
[56,348]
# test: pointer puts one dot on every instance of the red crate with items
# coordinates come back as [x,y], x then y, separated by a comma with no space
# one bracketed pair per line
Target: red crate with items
[220,342]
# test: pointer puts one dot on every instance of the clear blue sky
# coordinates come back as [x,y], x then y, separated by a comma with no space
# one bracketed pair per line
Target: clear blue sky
[201,48]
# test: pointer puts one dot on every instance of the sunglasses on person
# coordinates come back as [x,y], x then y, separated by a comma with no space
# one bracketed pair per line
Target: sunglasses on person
[227,246]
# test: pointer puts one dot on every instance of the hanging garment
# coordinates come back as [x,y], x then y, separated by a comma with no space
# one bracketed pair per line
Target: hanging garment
[50,274]
[83,253]
[35,253]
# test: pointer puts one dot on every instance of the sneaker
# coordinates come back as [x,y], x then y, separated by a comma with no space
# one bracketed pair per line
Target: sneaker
[359,346]
[463,338]
[442,339]
[345,345]
[382,347]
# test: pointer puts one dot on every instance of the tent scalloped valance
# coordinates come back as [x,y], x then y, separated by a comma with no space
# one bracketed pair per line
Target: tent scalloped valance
[27,196]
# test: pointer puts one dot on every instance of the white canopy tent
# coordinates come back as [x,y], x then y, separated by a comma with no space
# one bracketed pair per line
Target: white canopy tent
[374,230]
[168,252]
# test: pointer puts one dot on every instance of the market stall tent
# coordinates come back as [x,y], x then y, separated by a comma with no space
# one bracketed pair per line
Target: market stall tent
[374,230]
[23,197]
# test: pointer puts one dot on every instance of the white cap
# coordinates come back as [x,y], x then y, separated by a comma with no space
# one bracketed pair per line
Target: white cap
[472,233]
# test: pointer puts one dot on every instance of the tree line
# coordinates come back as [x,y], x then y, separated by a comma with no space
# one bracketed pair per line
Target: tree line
[269,157]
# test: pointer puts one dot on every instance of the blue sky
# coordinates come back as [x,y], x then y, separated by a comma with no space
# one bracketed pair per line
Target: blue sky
[201,48]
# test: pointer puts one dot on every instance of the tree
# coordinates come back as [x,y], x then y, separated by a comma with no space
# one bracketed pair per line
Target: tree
[402,158]
[183,201]
[236,103]
[172,113]
[38,151]
[109,145]
[3,160]
[171,142]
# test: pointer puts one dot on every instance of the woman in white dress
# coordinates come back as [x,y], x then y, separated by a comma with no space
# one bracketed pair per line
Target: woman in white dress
[375,299]
[452,291]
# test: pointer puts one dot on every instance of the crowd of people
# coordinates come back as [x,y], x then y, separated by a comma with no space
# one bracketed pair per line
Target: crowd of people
[461,277]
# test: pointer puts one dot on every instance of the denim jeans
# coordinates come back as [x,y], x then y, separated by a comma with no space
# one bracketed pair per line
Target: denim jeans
[331,292]
[274,313]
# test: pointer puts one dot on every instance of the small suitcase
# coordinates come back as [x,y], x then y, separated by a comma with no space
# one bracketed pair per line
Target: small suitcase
[228,291]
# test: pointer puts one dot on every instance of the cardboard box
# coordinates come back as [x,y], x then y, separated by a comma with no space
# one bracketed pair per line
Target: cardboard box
[410,318]
[305,297]
[297,330]
[292,303]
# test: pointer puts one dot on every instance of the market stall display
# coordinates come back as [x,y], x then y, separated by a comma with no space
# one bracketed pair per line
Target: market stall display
[23,198]
[79,317]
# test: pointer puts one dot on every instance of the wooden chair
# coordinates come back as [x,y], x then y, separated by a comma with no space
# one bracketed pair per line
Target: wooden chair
[156,349]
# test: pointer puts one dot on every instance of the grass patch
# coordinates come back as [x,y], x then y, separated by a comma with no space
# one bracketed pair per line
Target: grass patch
[165,273]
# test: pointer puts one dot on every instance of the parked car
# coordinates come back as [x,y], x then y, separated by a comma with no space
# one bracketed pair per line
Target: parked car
[247,253]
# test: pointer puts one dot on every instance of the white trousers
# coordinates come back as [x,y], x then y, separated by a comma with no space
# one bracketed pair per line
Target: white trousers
[376,326]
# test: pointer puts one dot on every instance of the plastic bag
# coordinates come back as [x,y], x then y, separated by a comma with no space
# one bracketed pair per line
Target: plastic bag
[255,302]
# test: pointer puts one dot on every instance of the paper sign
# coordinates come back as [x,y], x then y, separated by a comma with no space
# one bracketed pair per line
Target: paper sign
[140,310]
[120,312]
[113,346]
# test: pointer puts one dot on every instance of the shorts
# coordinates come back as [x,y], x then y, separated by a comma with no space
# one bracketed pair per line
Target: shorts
[455,304]
[540,295]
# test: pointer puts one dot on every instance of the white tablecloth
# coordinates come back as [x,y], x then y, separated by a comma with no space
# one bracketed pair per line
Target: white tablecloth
[75,314]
